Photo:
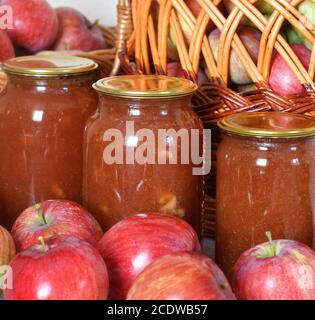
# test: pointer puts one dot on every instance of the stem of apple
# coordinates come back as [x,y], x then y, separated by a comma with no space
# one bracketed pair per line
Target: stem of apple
[66,46]
[272,246]
[270,250]
[43,244]
[95,23]
[40,212]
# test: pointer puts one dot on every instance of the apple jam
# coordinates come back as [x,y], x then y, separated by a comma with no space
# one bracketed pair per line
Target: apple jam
[265,182]
[127,170]
[43,112]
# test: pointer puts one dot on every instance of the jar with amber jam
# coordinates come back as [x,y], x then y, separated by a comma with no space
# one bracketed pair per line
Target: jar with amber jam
[265,182]
[132,156]
[43,111]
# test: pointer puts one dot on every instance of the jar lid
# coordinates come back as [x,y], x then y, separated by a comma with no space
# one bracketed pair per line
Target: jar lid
[49,65]
[269,124]
[145,86]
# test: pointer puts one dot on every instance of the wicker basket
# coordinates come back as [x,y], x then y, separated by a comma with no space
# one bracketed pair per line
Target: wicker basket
[147,52]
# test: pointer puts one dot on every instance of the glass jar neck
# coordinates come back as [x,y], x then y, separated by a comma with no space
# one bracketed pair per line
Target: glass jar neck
[117,105]
[252,141]
[15,80]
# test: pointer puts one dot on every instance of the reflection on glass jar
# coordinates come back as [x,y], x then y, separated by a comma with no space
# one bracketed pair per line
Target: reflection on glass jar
[134,112]
[43,112]
[265,182]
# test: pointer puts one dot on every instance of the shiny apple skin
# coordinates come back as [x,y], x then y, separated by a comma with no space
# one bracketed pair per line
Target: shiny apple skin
[71,269]
[35,24]
[289,276]
[7,247]
[76,32]
[135,242]
[63,218]
[181,276]
[251,39]
[282,79]
[7,49]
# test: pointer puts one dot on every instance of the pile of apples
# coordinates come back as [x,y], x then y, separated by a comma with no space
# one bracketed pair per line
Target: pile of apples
[62,254]
[281,79]
[37,27]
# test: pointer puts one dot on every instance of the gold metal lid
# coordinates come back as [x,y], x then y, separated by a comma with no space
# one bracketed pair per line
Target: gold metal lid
[49,65]
[269,125]
[145,86]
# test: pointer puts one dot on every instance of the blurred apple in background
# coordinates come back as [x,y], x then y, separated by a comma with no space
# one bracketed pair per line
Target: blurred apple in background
[7,49]
[282,79]
[245,88]
[181,276]
[195,9]
[63,268]
[293,35]
[53,218]
[263,6]
[276,270]
[251,39]
[307,9]
[35,24]
[174,69]
[135,242]
[7,247]
[76,32]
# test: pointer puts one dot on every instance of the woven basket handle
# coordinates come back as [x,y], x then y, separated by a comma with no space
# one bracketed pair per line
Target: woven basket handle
[124,31]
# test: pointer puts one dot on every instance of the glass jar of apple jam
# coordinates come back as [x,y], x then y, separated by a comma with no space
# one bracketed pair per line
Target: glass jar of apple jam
[265,182]
[133,158]
[43,112]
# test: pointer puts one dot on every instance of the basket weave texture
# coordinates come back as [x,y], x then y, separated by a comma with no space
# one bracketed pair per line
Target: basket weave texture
[147,52]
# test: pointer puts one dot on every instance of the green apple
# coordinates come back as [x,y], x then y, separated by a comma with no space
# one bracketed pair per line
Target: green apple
[294,36]
[245,88]
[263,6]
[251,39]
[307,9]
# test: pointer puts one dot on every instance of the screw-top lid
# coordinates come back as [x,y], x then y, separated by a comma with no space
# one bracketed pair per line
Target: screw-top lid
[269,124]
[145,86]
[49,65]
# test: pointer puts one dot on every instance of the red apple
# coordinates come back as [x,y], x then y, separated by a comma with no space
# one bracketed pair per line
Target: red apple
[63,268]
[54,218]
[76,32]
[174,69]
[251,39]
[7,247]
[276,270]
[282,79]
[6,47]
[181,276]
[134,243]
[195,8]
[35,24]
